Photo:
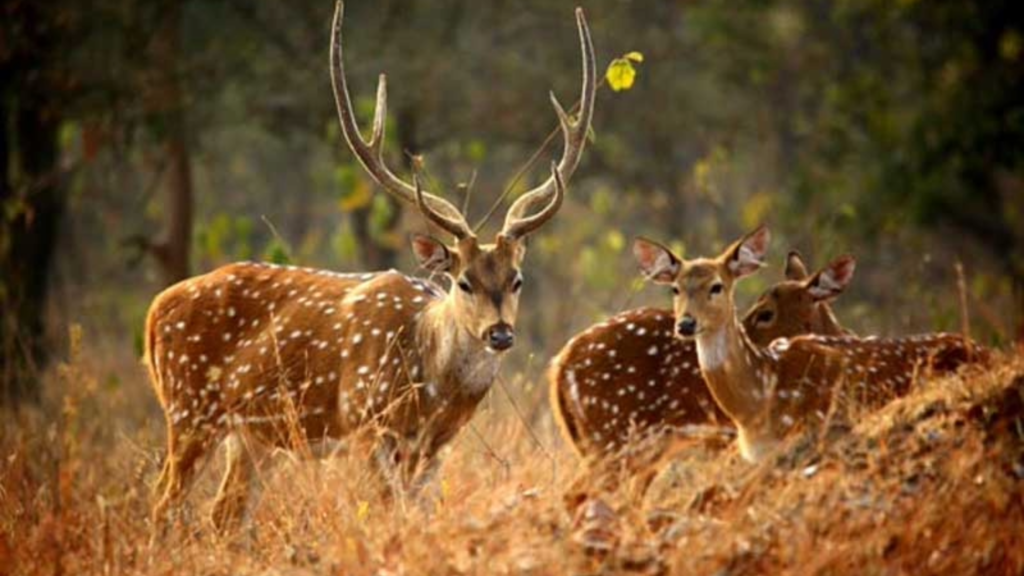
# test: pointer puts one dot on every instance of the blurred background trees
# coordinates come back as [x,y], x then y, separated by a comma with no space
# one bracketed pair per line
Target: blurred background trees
[145,140]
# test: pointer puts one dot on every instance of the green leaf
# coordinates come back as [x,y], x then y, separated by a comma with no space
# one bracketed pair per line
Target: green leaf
[620,74]
[276,252]
[634,56]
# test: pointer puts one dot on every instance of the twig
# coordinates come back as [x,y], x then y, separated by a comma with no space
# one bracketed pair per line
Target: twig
[468,190]
[519,414]
[277,236]
[965,318]
[961,286]
[505,464]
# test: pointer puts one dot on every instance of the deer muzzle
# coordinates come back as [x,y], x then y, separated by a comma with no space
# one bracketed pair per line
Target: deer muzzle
[500,336]
[687,327]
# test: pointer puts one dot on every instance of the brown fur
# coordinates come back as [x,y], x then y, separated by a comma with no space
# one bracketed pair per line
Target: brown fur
[653,381]
[271,356]
[250,349]
[768,392]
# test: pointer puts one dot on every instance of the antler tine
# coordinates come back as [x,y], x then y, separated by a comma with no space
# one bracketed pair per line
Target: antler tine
[371,154]
[574,134]
[457,228]
[523,226]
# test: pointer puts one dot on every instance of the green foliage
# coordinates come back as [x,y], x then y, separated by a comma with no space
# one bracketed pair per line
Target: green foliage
[476,151]
[381,214]
[884,129]
[277,252]
[225,238]
[354,192]
[344,246]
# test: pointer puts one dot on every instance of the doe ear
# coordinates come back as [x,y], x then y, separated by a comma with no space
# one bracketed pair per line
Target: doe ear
[657,262]
[831,280]
[795,267]
[432,254]
[746,256]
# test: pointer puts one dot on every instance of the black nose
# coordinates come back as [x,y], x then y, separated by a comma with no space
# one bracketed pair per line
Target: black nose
[500,337]
[687,326]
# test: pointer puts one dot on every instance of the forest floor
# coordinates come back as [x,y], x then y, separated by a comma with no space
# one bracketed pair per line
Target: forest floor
[931,484]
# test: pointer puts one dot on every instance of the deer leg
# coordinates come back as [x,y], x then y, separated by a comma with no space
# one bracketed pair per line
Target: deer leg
[235,498]
[186,452]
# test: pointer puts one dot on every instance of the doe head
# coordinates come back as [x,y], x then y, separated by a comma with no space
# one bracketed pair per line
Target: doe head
[702,287]
[799,304]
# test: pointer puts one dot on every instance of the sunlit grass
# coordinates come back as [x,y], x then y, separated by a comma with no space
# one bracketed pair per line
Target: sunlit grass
[930,484]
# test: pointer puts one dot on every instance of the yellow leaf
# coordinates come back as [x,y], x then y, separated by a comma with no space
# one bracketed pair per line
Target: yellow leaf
[634,56]
[620,74]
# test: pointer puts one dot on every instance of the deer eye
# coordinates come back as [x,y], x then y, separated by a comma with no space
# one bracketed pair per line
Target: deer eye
[717,288]
[764,316]
[465,286]
[675,290]
[517,284]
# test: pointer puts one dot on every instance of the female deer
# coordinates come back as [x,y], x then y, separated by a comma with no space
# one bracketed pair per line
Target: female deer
[631,376]
[768,392]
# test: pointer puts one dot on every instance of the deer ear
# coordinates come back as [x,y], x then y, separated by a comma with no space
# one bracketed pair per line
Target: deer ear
[795,268]
[432,254]
[831,280]
[657,262]
[746,256]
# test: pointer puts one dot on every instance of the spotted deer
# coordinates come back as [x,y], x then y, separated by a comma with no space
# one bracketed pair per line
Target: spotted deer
[796,382]
[630,376]
[259,354]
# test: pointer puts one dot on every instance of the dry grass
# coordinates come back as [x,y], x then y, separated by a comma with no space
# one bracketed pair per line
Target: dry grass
[932,484]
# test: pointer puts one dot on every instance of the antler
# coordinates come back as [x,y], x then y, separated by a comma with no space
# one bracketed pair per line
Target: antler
[523,226]
[371,154]
[457,227]
[575,138]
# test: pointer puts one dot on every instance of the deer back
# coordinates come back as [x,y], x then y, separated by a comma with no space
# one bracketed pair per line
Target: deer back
[814,374]
[622,378]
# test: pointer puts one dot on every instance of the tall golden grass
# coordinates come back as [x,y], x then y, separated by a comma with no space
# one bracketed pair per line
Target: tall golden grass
[932,484]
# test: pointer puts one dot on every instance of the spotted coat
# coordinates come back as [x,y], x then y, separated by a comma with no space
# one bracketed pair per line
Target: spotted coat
[257,347]
[798,383]
[630,376]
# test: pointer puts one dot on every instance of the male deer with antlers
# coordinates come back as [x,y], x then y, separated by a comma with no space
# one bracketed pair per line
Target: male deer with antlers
[630,376]
[255,353]
[794,383]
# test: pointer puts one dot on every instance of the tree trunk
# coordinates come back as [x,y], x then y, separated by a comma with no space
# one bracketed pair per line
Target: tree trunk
[177,246]
[28,239]
[167,106]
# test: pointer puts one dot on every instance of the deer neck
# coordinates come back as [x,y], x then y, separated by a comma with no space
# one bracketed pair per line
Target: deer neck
[736,371]
[454,360]
[827,324]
